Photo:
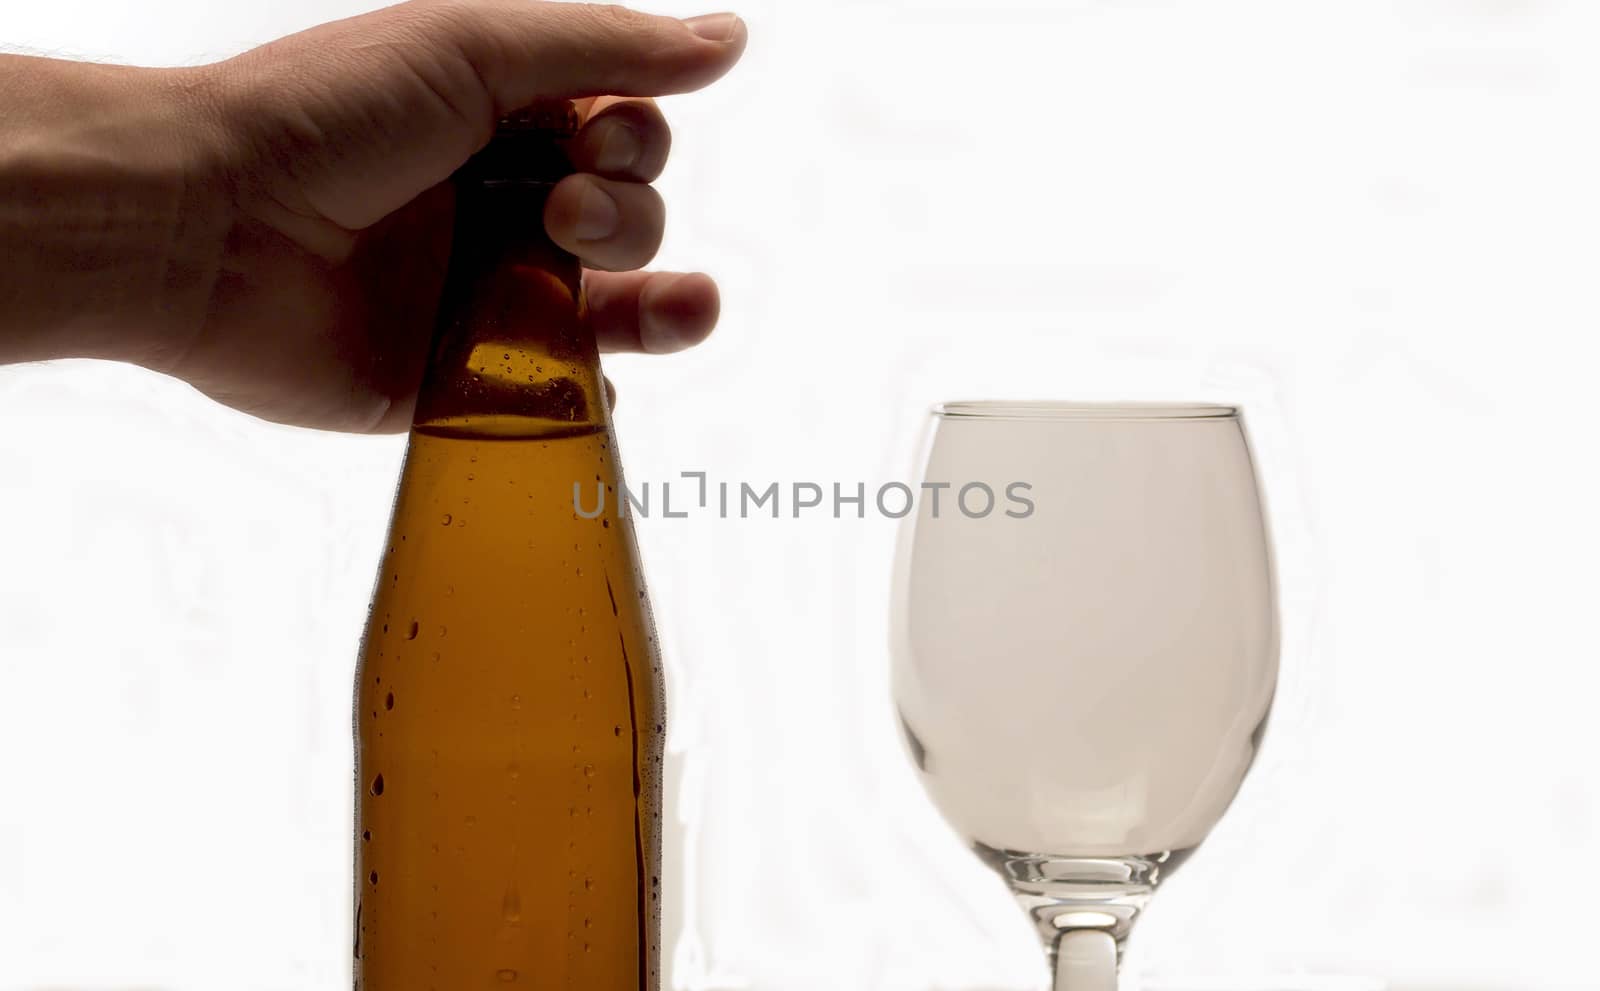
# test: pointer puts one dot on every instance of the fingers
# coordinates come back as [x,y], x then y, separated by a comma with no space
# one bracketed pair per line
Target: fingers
[655,312]
[349,120]
[622,139]
[608,224]
[526,50]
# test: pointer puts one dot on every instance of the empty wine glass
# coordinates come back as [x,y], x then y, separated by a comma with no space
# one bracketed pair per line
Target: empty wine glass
[1085,648]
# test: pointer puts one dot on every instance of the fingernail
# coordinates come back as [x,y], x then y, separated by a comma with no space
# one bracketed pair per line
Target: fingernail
[716,27]
[619,148]
[597,214]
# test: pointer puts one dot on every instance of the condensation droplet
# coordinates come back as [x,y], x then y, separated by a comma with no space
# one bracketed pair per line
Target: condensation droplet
[588,770]
[616,731]
[511,905]
[448,519]
[411,634]
[373,877]
[443,631]
[377,785]
[516,701]
[513,771]
[506,974]
[388,701]
[471,820]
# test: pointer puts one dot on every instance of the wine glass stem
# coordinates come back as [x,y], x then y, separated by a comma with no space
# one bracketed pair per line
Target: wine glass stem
[1086,960]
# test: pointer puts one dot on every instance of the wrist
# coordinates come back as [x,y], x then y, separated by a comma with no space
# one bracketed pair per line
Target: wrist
[113,210]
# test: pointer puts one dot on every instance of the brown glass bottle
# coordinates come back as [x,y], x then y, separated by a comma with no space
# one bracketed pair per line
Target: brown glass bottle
[509,711]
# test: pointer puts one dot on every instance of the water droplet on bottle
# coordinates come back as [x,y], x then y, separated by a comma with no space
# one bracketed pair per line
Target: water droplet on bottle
[513,771]
[373,877]
[516,701]
[443,631]
[511,905]
[436,657]
[586,947]
[448,519]
[366,835]
[388,701]
[587,922]
[506,974]
[471,477]
[588,770]
[377,785]
[588,884]
[616,731]
[471,820]
[449,590]
[411,634]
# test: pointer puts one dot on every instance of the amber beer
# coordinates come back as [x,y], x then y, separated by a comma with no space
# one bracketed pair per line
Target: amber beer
[509,709]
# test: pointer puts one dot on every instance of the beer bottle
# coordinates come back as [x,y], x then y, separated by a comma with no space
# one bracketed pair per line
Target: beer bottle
[509,711]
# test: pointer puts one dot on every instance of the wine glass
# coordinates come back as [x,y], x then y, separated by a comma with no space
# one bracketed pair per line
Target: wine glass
[1085,647]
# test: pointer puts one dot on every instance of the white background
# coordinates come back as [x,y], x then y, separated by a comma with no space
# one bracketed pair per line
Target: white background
[1372,222]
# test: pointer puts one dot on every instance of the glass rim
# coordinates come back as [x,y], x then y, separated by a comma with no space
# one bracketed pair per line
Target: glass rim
[1005,409]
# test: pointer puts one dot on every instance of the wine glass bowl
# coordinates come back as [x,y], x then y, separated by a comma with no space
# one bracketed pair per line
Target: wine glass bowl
[1083,673]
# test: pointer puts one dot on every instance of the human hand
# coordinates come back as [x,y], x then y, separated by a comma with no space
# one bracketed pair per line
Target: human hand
[316,165]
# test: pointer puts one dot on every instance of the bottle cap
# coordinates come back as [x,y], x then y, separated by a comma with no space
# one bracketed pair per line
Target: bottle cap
[526,146]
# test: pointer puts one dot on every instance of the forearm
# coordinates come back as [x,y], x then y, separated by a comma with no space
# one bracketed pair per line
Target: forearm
[111,219]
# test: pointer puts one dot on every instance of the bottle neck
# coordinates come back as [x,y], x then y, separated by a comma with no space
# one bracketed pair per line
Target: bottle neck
[513,355]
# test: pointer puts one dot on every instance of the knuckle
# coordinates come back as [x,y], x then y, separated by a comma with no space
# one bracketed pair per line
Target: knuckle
[616,17]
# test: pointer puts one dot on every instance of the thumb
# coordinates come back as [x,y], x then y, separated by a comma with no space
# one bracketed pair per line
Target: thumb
[356,117]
